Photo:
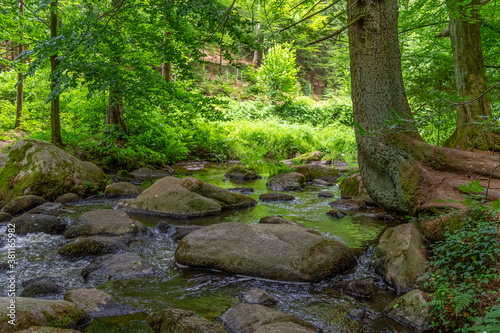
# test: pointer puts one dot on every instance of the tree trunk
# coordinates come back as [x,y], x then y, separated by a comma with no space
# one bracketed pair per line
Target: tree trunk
[55,122]
[258,55]
[19,98]
[166,71]
[115,110]
[470,77]
[399,170]
[115,102]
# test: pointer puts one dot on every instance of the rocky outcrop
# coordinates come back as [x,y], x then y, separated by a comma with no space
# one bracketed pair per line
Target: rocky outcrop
[185,198]
[97,303]
[48,224]
[122,190]
[248,318]
[93,246]
[291,181]
[22,204]
[105,222]
[242,173]
[276,197]
[180,321]
[317,171]
[40,168]
[273,251]
[411,310]
[120,266]
[400,257]
[39,312]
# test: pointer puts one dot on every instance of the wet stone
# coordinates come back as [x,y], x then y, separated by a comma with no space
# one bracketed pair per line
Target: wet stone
[258,296]
[276,197]
[48,208]
[97,303]
[360,288]
[68,198]
[357,314]
[326,194]
[22,204]
[241,189]
[5,217]
[48,224]
[335,213]
[322,182]
[43,289]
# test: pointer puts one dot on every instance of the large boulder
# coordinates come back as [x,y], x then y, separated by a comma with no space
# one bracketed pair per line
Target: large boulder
[248,318]
[48,224]
[181,321]
[39,312]
[105,222]
[120,266]
[291,181]
[122,190]
[400,257]
[40,168]
[242,173]
[93,246]
[272,251]
[317,171]
[97,303]
[352,188]
[22,204]
[185,198]
[412,310]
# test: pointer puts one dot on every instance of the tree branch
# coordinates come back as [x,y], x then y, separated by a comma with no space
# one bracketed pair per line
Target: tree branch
[338,32]
[491,66]
[444,33]
[35,15]
[308,17]
[224,20]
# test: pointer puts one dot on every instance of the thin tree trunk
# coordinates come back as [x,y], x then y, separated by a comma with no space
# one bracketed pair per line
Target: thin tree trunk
[55,121]
[115,102]
[258,55]
[19,98]
[399,170]
[166,71]
[470,77]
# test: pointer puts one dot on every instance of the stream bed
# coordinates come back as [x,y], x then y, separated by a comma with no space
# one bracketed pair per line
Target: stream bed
[210,293]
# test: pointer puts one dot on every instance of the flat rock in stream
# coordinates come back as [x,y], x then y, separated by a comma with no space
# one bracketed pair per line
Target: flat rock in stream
[411,310]
[105,222]
[43,289]
[317,171]
[273,251]
[147,173]
[122,190]
[48,224]
[48,208]
[241,173]
[185,198]
[258,296]
[181,321]
[97,303]
[291,181]
[326,194]
[120,266]
[248,318]
[40,312]
[68,198]
[276,197]
[241,189]
[349,204]
[176,232]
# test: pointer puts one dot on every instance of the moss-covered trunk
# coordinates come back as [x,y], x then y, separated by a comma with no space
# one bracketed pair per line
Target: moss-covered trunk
[399,170]
[470,77]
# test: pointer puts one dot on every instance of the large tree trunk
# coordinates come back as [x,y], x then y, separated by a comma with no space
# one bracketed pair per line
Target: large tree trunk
[470,77]
[19,97]
[399,170]
[55,121]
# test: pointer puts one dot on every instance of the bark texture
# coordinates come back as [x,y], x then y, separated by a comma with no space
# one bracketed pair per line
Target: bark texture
[470,77]
[399,170]
[19,97]
[55,121]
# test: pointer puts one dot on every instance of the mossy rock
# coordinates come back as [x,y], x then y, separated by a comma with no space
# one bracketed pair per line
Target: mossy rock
[411,310]
[276,197]
[22,204]
[122,190]
[435,229]
[185,198]
[273,251]
[248,318]
[97,303]
[181,321]
[48,224]
[68,198]
[105,222]
[400,257]
[40,289]
[242,173]
[93,246]
[317,171]
[125,174]
[314,156]
[5,217]
[291,181]
[40,312]
[352,188]
[40,168]
[40,329]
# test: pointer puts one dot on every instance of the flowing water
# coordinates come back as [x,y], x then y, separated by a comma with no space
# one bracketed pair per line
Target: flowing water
[209,293]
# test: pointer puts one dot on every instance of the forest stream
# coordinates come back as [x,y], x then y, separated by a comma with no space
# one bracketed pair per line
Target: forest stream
[210,293]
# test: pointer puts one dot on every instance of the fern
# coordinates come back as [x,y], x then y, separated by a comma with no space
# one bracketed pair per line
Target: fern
[462,301]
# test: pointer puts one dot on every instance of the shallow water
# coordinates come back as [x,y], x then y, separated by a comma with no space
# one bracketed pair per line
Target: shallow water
[210,293]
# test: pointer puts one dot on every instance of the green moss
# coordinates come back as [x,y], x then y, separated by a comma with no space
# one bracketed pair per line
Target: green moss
[349,186]
[410,184]
[125,174]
